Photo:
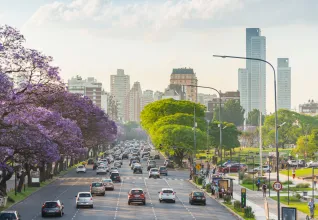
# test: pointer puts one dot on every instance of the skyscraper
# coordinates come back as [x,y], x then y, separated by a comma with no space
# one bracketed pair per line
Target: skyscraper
[252,79]
[283,84]
[147,98]
[119,88]
[133,103]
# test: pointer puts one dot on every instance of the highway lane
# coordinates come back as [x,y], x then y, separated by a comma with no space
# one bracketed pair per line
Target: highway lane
[114,205]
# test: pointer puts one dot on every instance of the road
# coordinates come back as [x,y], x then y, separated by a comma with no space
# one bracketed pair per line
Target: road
[114,204]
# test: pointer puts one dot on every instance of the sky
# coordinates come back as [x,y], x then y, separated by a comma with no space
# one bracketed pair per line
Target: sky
[148,38]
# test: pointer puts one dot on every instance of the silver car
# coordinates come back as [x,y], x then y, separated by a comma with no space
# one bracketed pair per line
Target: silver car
[84,199]
[98,188]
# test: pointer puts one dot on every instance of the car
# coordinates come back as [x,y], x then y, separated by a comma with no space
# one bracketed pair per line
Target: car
[154,172]
[145,154]
[101,170]
[157,157]
[232,168]
[81,169]
[132,161]
[132,164]
[124,156]
[292,163]
[197,197]
[137,168]
[151,158]
[312,164]
[112,169]
[115,177]
[266,168]
[151,164]
[136,195]
[84,199]
[145,158]
[108,183]
[118,160]
[14,215]
[166,162]
[90,161]
[97,188]
[163,170]
[117,164]
[52,208]
[167,194]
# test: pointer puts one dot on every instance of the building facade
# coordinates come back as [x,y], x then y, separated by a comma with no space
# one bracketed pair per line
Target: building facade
[157,95]
[147,98]
[119,88]
[89,87]
[310,108]
[243,89]
[133,103]
[215,102]
[104,101]
[283,84]
[186,76]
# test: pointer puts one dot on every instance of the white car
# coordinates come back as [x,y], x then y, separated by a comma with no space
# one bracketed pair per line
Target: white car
[117,164]
[112,169]
[266,168]
[167,194]
[84,199]
[118,161]
[81,169]
[154,172]
[101,170]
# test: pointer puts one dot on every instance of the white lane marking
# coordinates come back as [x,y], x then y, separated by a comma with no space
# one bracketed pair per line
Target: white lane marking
[75,214]
[181,202]
[121,185]
[152,207]
[56,198]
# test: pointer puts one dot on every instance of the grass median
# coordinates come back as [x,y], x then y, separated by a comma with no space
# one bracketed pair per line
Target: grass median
[302,172]
[239,213]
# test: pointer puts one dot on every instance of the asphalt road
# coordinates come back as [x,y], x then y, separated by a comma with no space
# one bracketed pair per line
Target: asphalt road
[114,204]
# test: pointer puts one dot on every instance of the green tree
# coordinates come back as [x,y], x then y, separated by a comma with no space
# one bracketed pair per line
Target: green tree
[253,118]
[156,110]
[231,112]
[308,144]
[178,140]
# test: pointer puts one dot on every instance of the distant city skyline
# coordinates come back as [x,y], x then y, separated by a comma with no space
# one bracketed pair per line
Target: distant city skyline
[150,38]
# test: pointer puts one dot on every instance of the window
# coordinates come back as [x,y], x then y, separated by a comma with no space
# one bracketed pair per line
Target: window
[51,205]
[167,191]
[136,192]
[85,195]
[97,185]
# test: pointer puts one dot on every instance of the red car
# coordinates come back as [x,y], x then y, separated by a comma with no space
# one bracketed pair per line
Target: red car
[136,195]
[233,168]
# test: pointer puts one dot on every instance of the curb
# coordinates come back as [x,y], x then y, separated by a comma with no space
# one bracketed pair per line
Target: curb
[230,210]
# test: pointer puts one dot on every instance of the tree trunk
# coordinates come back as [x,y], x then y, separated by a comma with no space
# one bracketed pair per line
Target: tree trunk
[42,173]
[49,171]
[61,164]
[3,183]
[71,162]
[56,166]
[28,169]
[21,181]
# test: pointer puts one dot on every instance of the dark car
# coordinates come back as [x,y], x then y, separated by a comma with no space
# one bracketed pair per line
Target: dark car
[197,197]
[53,208]
[233,168]
[145,154]
[124,156]
[95,166]
[115,177]
[163,170]
[11,215]
[137,169]
[136,195]
[157,157]
[90,161]
[151,165]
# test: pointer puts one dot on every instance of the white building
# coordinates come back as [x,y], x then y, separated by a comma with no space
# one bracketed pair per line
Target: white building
[157,95]
[147,97]
[119,88]
[243,89]
[133,103]
[104,101]
[283,84]
[89,87]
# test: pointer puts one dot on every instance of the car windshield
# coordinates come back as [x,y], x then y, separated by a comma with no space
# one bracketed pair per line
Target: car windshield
[50,204]
[136,192]
[163,168]
[115,174]
[85,195]
[154,170]
[107,181]
[7,216]
[198,193]
[167,191]
[80,167]
[97,184]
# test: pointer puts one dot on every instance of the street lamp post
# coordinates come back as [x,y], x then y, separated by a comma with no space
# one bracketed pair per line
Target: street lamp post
[276,118]
[220,118]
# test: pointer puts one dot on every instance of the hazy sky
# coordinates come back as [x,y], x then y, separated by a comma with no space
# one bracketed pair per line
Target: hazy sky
[148,38]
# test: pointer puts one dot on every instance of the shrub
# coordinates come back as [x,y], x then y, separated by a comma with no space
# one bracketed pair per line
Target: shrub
[248,212]
[288,182]
[298,196]
[241,175]
[247,180]
[11,200]
[302,185]
[195,179]
[237,206]
[199,180]
[208,188]
[227,199]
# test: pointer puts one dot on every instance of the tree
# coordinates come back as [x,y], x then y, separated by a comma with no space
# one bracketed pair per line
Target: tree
[156,110]
[178,140]
[253,118]
[232,112]
[308,144]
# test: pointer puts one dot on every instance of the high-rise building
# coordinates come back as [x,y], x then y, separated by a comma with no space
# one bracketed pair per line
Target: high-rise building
[147,98]
[283,84]
[215,102]
[89,87]
[119,88]
[186,76]
[133,103]
[243,88]
[104,101]
[157,95]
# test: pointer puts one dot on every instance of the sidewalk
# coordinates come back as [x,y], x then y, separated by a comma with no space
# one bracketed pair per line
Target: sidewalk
[256,201]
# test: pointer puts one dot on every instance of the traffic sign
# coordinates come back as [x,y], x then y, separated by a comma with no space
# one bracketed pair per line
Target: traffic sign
[243,197]
[198,166]
[277,186]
